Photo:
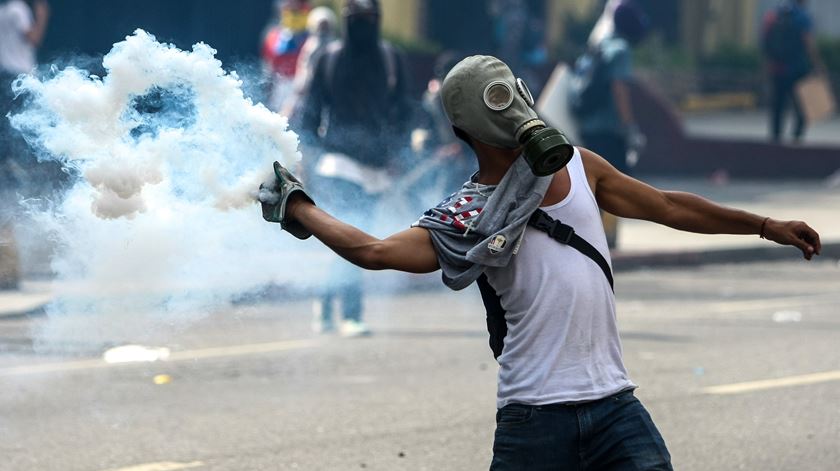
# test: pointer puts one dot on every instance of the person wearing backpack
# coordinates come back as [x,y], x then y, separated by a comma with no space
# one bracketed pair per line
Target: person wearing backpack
[526,229]
[791,54]
[353,121]
[600,95]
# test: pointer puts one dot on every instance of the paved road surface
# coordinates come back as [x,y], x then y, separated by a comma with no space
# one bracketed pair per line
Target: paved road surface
[250,388]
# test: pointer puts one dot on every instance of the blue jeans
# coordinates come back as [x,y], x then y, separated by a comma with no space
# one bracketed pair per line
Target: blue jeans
[614,433]
[784,97]
[351,204]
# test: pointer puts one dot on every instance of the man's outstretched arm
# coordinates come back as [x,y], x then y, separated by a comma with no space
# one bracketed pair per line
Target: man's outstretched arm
[627,197]
[409,251]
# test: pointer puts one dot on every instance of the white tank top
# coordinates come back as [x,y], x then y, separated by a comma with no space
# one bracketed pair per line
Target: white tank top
[562,341]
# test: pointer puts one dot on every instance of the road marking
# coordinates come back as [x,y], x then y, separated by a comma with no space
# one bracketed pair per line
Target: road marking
[745,305]
[749,386]
[162,466]
[185,355]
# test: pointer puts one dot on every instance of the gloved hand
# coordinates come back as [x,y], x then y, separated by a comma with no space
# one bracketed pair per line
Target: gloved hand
[274,197]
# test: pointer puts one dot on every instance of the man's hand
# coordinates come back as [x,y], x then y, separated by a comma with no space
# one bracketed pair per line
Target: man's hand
[627,197]
[795,233]
[280,198]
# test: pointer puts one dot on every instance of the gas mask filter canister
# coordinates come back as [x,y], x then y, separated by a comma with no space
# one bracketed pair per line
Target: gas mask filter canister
[482,98]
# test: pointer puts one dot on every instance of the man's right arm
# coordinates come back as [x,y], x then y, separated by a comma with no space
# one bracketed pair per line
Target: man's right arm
[409,251]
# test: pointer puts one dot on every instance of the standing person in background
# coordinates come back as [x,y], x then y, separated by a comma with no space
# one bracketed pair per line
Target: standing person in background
[353,119]
[600,96]
[519,38]
[445,160]
[22,28]
[322,29]
[791,53]
[281,47]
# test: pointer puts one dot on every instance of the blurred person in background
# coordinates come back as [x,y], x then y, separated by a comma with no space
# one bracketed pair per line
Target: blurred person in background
[22,29]
[791,54]
[519,39]
[281,46]
[353,120]
[600,94]
[445,161]
[322,28]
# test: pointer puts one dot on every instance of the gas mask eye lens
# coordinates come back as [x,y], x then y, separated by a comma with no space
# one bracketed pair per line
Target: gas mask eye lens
[524,92]
[498,95]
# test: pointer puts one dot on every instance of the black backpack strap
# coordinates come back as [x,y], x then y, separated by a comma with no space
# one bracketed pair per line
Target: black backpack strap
[496,322]
[565,234]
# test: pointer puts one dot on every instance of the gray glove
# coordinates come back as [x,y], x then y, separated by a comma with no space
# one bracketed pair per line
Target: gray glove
[275,195]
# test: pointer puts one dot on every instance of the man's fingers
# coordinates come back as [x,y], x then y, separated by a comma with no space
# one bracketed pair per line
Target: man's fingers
[814,238]
[810,237]
[805,247]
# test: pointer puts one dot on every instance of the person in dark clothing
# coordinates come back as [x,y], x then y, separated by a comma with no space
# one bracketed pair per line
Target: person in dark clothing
[602,110]
[357,95]
[792,55]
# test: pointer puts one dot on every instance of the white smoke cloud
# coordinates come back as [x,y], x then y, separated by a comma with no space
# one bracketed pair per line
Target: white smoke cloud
[162,224]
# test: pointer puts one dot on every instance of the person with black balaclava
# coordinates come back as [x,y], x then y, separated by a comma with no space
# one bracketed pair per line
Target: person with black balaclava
[352,119]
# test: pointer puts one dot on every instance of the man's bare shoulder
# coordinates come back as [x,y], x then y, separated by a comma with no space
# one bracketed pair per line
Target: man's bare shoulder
[595,166]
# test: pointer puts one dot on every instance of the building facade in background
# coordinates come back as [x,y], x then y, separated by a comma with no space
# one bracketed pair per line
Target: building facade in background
[697,26]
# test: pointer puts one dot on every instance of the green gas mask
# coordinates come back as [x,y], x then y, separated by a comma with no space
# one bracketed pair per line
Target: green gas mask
[482,97]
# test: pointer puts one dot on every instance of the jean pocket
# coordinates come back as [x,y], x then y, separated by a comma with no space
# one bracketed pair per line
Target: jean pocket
[514,414]
[624,397]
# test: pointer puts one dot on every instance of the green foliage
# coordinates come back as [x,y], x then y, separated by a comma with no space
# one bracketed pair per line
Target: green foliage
[576,34]
[830,51]
[412,46]
[733,58]
[655,54]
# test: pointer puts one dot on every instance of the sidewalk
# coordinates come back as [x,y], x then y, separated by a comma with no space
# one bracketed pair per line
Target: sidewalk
[32,297]
[753,125]
[815,202]
[644,244]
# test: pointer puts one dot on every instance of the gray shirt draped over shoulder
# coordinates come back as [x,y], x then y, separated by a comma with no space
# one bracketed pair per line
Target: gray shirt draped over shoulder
[480,226]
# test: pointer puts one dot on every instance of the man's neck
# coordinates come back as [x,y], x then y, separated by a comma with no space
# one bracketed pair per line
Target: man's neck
[493,162]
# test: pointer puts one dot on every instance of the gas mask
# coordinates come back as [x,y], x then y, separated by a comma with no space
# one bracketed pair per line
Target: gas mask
[482,98]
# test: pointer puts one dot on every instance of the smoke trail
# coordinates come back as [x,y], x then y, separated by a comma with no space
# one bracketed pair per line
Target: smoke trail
[161,225]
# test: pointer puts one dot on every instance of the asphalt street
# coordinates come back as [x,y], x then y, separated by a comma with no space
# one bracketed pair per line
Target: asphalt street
[738,364]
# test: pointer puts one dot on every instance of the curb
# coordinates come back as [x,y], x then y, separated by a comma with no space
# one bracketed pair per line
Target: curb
[14,304]
[638,261]
[17,304]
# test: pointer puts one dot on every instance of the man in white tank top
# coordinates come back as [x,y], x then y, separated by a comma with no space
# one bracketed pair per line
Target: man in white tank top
[565,400]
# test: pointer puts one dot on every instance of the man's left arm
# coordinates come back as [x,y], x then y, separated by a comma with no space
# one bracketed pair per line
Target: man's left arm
[627,197]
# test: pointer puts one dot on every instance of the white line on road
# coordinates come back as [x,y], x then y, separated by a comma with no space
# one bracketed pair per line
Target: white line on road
[749,386]
[162,466]
[186,355]
[744,305]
